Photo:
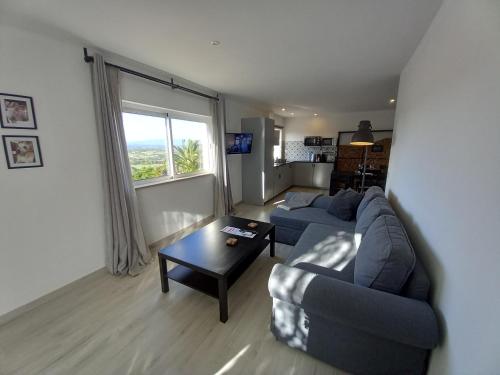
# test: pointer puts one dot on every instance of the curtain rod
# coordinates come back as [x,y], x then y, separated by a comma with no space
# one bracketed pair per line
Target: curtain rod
[89,59]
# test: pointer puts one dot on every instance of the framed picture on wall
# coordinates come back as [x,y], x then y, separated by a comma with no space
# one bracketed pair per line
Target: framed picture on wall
[17,112]
[22,151]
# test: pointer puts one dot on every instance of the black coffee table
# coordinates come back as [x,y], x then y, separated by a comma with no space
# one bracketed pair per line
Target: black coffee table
[207,264]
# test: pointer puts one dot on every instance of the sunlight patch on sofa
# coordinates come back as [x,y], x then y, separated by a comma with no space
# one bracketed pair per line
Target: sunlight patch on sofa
[334,252]
[291,324]
[293,284]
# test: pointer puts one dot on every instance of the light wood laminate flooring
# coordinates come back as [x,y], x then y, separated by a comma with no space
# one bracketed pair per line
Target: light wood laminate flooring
[103,324]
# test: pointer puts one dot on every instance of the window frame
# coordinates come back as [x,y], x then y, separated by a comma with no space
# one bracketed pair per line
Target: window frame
[281,138]
[207,167]
[168,115]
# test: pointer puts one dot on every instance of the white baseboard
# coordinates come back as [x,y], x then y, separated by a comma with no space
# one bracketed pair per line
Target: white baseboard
[7,317]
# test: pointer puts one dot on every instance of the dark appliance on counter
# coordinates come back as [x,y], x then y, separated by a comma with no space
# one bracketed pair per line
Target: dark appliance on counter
[327,142]
[315,158]
[312,141]
[318,158]
[329,157]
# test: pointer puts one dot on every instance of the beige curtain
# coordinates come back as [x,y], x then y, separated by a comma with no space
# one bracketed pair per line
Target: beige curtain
[126,251]
[223,200]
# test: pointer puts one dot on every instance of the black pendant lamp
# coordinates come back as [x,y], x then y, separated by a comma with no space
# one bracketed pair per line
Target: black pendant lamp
[364,136]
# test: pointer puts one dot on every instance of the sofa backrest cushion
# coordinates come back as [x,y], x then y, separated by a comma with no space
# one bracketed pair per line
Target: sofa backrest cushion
[418,284]
[377,207]
[385,258]
[345,204]
[371,193]
[322,201]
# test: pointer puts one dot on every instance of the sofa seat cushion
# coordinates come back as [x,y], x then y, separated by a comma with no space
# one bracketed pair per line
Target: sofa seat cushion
[287,236]
[324,245]
[371,193]
[301,217]
[385,258]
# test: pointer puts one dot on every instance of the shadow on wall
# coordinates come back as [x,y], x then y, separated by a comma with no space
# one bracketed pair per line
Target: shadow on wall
[426,254]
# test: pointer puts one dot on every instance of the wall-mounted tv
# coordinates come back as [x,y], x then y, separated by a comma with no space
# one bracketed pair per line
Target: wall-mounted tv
[239,143]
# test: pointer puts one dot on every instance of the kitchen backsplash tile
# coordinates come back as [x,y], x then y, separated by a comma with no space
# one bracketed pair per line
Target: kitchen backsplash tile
[296,151]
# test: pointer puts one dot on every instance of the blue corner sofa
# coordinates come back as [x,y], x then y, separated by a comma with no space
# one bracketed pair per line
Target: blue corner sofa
[319,308]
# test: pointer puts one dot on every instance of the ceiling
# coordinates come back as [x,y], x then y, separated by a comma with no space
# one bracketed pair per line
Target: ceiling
[307,56]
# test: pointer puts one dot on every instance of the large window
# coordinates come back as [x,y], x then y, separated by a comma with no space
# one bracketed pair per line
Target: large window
[165,146]
[147,146]
[190,147]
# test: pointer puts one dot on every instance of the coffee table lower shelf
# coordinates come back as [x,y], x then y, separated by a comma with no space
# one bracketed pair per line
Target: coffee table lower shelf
[215,287]
[195,280]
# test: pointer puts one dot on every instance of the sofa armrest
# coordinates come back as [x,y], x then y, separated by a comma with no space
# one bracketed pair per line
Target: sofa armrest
[404,320]
[319,270]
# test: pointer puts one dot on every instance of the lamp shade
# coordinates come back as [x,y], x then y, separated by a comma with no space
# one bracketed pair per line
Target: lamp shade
[364,136]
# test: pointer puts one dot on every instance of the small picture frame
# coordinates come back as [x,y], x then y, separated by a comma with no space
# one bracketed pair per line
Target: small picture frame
[17,112]
[22,151]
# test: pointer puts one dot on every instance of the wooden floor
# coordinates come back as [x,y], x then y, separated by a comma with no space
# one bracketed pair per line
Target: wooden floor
[108,325]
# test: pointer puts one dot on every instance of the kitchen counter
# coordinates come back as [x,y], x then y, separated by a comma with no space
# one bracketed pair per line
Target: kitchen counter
[315,162]
[302,161]
[301,173]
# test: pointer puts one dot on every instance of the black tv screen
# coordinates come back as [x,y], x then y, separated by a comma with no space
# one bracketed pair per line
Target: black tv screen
[239,143]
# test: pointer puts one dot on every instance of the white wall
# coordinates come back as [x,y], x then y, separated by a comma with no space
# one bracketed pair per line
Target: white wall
[142,91]
[154,211]
[329,125]
[51,218]
[169,207]
[446,186]
[278,120]
[236,109]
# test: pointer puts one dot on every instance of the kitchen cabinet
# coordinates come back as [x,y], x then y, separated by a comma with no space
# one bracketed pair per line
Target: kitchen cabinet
[321,175]
[282,178]
[312,174]
[277,181]
[302,174]
[288,175]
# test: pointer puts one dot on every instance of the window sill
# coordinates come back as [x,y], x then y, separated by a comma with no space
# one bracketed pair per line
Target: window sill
[170,181]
